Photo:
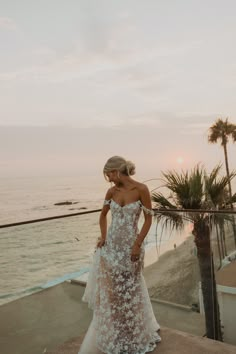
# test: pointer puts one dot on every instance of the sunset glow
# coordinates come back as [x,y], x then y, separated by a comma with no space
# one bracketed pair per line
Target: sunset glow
[180,160]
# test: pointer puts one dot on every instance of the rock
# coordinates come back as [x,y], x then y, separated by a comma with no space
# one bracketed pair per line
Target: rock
[63,203]
[66,203]
[82,208]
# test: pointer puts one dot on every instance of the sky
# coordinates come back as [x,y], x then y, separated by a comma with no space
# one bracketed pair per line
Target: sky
[82,80]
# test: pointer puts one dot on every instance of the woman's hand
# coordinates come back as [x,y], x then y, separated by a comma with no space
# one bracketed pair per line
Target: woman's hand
[101,242]
[135,254]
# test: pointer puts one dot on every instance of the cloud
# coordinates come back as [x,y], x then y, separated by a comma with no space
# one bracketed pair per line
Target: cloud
[116,46]
[112,65]
[7,23]
[71,149]
[196,128]
[199,125]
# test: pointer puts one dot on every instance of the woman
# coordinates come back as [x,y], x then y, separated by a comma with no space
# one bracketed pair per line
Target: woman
[123,319]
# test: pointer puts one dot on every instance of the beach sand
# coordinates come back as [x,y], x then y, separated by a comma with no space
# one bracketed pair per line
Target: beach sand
[175,276]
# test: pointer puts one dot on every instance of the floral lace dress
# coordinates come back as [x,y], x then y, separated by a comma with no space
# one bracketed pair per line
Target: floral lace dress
[123,319]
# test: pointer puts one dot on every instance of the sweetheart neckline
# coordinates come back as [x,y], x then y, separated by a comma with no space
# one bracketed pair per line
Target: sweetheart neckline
[122,206]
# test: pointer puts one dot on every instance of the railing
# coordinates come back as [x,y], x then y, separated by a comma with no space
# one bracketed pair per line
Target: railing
[156,211]
[48,218]
[37,254]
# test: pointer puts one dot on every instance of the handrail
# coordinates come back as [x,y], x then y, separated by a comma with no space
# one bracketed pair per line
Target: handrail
[49,218]
[210,211]
[223,211]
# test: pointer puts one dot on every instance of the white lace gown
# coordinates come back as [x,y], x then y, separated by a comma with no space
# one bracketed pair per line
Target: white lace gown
[123,319]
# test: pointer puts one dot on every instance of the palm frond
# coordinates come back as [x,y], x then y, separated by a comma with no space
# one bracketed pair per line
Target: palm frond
[196,191]
[178,184]
[234,135]
[191,190]
[233,199]
[169,220]
[187,188]
[222,130]
[215,188]
[162,202]
[214,173]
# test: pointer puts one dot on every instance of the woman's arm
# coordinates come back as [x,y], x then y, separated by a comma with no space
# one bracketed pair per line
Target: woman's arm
[146,202]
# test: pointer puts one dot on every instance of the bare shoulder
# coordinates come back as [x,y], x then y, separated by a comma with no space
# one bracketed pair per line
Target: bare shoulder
[109,193]
[142,188]
[144,194]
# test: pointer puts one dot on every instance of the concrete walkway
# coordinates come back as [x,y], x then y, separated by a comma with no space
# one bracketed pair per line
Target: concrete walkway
[43,320]
[173,342]
[51,318]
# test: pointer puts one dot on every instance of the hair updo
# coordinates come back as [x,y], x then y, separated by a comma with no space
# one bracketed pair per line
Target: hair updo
[118,163]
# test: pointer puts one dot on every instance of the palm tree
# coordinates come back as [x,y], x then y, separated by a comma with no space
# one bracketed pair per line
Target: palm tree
[220,200]
[196,191]
[222,131]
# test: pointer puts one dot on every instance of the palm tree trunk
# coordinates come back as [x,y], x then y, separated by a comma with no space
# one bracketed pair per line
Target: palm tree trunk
[227,171]
[230,190]
[207,273]
[219,245]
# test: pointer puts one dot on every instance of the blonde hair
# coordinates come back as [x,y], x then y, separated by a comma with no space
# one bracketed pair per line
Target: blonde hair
[118,163]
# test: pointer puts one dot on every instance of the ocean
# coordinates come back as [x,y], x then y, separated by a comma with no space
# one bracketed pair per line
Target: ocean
[39,255]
